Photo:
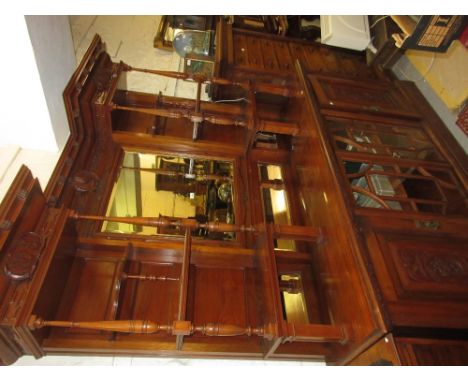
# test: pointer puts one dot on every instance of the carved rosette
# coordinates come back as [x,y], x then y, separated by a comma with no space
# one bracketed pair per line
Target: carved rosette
[102,78]
[85,181]
[22,259]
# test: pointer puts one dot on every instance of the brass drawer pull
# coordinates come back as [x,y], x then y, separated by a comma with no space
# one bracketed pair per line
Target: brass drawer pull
[432,225]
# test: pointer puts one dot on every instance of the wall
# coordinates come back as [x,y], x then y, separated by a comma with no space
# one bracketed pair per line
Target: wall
[441,78]
[46,51]
[33,122]
[24,120]
[52,44]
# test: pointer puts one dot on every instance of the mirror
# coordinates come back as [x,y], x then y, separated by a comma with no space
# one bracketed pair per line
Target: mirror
[153,185]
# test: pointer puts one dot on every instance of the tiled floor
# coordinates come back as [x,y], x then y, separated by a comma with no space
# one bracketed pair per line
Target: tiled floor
[130,39]
[149,361]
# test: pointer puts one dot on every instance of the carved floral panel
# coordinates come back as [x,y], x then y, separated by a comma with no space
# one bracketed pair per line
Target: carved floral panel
[428,268]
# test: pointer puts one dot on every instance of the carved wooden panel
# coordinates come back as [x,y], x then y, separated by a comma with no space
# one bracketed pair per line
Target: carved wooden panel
[22,259]
[85,181]
[422,276]
[426,268]
[364,96]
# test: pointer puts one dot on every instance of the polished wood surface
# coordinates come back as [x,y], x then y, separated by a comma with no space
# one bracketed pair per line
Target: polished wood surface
[319,266]
[382,353]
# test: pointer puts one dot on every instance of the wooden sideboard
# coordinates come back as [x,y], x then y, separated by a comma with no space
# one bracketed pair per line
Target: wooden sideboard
[346,241]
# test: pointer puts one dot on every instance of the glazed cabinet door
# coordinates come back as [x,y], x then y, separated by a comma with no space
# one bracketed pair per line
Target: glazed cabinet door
[393,164]
[375,97]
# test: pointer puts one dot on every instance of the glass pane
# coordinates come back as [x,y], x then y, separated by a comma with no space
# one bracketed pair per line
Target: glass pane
[270,172]
[152,185]
[275,203]
[295,307]
[383,139]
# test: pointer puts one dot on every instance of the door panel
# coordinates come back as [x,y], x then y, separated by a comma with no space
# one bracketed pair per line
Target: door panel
[375,97]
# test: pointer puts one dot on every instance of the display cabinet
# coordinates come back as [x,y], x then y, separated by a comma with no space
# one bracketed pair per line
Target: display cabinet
[409,200]
[169,229]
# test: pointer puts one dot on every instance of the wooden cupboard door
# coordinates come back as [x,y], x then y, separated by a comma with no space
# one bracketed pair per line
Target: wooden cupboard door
[382,353]
[423,278]
[432,352]
[376,97]
[394,139]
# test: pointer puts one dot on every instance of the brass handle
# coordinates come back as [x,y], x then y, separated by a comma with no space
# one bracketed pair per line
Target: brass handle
[371,108]
[432,225]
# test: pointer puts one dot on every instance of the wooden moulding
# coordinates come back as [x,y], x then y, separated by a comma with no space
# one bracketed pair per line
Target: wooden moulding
[348,278]
[160,143]
[77,133]
[183,288]
[28,246]
[13,206]
[23,193]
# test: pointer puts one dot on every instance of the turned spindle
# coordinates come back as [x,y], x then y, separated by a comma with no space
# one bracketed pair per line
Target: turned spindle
[187,114]
[191,224]
[145,221]
[121,326]
[226,330]
[148,327]
[284,91]
[147,278]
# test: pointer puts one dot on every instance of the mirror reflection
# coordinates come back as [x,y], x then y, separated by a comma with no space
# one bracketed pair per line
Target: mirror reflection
[153,185]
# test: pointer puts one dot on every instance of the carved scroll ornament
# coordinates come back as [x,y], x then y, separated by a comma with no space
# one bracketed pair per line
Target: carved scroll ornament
[22,258]
[423,266]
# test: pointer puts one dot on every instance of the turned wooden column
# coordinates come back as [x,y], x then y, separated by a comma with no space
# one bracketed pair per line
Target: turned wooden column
[162,221]
[177,328]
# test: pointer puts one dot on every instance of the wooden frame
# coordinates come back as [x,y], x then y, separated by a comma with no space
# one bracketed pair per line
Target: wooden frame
[374,274]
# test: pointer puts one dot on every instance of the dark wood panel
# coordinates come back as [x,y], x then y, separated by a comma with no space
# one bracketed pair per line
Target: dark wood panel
[315,57]
[304,350]
[240,48]
[91,301]
[283,55]
[423,277]
[270,60]
[430,352]
[254,52]
[364,96]
[338,259]
[382,353]
[156,300]
[220,296]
